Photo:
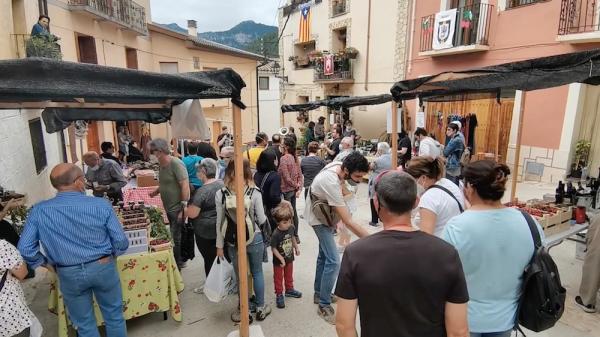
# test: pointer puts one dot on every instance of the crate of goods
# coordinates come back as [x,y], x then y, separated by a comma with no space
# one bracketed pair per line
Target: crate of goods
[146,178]
[157,245]
[554,219]
[138,241]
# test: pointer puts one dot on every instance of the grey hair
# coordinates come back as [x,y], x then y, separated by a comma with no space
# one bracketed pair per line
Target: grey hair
[396,192]
[348,140]
[160,144]
[383,148]
[209,166]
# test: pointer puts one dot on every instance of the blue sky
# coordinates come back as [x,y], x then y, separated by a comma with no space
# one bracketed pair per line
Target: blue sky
[215,15]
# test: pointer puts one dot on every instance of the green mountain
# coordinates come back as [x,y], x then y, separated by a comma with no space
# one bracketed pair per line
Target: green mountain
[246,36]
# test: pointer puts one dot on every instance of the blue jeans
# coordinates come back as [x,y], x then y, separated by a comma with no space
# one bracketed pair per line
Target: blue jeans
[491,334]
[80,284]
[254,251]
[328,264]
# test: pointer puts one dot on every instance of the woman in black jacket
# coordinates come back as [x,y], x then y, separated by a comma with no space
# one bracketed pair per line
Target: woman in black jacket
[269,182]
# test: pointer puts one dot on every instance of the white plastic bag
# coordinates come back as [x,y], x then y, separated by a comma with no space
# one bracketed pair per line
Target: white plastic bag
[219,280]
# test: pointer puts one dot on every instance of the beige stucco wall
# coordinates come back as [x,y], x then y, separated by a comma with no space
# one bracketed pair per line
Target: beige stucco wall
[166,48]
[385,65]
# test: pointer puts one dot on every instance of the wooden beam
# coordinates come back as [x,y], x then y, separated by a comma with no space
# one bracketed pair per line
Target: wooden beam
[498,128]
[240,219]
[515,170]
[83,105]
[394,135]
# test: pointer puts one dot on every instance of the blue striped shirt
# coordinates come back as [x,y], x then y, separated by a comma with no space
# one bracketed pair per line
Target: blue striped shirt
[73,229]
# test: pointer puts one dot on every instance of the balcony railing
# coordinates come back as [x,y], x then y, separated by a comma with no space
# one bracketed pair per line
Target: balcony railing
[125,13]
[472,27]
[578,16]
[342,71]
[339,8]
[519,3]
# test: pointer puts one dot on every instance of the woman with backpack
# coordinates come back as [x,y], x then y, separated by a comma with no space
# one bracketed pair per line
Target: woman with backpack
[495,245]
[225,200]
[291,177]
[439,198]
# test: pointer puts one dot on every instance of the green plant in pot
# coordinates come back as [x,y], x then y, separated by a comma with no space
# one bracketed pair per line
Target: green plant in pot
[351,52]
[582,153]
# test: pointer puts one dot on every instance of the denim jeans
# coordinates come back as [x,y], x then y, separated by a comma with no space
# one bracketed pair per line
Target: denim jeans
[80,284]
[491,334]
[254,251]
[291,197]
[175,225]
[328,264]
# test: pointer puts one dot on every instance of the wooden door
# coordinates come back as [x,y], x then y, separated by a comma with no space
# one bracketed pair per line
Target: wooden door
[93,143]
[491,120]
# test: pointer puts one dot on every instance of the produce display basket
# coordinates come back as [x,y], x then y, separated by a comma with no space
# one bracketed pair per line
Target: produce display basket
[138,241]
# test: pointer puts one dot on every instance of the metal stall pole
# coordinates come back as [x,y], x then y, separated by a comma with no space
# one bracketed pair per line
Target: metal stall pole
[515,170]
[394,135]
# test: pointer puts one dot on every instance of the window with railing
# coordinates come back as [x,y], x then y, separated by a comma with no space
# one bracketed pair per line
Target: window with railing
[471,27]
[578,16]
[519,3]
[338,7]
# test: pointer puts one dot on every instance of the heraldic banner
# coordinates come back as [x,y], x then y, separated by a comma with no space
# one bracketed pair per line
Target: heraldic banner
[328,64]
[443,29]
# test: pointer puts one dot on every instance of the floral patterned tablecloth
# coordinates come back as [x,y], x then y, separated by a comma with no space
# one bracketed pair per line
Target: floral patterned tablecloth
[150,282]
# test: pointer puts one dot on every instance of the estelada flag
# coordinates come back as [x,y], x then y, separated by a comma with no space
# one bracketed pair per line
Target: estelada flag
[304,35]
[328,64]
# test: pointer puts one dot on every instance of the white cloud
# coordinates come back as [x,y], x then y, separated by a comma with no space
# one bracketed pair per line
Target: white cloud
[215,15]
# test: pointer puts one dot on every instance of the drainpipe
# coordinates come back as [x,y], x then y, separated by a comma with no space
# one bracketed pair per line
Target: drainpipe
[412,6]
[368,42]
[257,100]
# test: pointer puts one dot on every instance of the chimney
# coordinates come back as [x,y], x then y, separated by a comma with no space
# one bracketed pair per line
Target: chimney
[192,28]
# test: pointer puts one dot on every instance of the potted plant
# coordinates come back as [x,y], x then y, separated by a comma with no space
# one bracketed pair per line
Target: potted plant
[315,55]
[302,61]
[582,152]
[351,52]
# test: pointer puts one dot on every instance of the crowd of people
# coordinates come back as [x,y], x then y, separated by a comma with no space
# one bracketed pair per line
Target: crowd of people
[447,262]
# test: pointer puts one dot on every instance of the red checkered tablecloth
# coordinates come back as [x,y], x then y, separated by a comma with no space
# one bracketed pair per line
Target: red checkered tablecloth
[141,194]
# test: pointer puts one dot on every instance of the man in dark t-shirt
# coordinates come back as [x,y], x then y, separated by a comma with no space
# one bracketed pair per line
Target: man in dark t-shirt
[404,148]
[407,283]
[334,147]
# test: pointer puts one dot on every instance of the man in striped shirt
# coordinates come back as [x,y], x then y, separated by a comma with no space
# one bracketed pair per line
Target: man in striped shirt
[81,237]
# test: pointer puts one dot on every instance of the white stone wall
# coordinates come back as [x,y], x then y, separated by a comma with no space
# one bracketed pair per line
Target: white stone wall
[17,164]
[269,106]
[555,162]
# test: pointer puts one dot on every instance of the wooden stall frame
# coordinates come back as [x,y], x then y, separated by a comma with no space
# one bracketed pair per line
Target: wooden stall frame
[515,171]
[240,220]
[395,135]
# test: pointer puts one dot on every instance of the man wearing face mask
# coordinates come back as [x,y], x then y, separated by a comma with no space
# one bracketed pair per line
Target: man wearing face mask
[225,155]
[81,237]
[104,176]
[334,147]
[327,186]
[346,147]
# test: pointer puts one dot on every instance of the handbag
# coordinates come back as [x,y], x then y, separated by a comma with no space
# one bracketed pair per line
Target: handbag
[323,212]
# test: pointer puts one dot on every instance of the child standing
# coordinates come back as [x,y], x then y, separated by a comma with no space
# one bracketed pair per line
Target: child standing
[284,246]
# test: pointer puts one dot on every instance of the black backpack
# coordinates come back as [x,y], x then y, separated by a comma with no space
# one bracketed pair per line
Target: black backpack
[542,301]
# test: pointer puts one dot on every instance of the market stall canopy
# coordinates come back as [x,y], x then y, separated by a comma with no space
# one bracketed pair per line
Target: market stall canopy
[339,102]
[532,74]
[71,91]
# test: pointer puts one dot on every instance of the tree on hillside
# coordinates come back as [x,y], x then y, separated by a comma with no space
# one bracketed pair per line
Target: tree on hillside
[267,44]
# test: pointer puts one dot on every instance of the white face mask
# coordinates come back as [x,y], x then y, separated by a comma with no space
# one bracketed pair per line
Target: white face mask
[341,147]
[94,168]
[420,190]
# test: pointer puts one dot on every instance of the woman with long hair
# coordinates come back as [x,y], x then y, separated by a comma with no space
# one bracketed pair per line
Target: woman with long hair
[495,246]
[268,180]
[291,177]
[254,249]
[440,199]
